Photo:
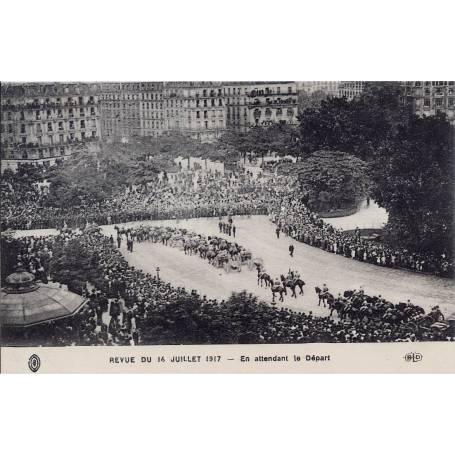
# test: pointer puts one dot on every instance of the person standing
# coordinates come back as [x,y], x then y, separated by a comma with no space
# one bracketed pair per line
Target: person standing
[277,230]
[233,230]
[291,251]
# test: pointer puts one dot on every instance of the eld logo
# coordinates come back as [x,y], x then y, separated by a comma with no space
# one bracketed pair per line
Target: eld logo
[413,357]
[34,362]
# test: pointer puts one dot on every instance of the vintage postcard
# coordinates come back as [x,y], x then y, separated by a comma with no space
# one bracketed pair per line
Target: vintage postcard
[219,226]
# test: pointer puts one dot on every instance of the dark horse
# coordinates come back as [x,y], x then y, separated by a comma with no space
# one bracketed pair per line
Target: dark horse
[292,284]
[278,289]
[264,277]
[323,296]
[336,305]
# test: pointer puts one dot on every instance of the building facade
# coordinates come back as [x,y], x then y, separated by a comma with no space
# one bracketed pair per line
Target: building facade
[431,97]
[329,88]
[131,109]
[199,108]
[251,104]
[350,89]
[156,108]
[45,122]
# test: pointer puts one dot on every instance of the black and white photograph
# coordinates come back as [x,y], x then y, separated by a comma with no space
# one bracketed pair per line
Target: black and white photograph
[227,212]
[227,227]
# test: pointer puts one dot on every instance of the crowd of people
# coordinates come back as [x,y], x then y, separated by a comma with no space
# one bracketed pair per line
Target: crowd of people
[209,195]
[293,217]
[126,306]
[214,194]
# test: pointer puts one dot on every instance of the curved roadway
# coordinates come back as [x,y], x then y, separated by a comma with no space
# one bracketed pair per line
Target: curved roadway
[315,266]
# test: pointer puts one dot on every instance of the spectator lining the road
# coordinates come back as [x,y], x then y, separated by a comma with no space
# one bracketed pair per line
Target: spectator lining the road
[126,306]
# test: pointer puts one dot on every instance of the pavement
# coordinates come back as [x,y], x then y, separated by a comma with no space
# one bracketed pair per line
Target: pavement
[368,217]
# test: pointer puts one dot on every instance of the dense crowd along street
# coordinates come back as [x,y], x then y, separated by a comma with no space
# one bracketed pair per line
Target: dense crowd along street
[194,195]
[295,219]
[128,307]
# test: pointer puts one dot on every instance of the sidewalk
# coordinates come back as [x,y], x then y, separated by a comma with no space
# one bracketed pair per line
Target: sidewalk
[368,217]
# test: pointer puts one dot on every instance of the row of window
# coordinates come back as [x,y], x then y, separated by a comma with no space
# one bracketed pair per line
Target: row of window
[206,123]
[431,83]
[50,126]
[256,92]
[205,113]
[204,93]
[49,114]
[71,101]
[439,102]
[124,96]
[437,91]
[25,155]
[268,112]
[152,124]
[61,138]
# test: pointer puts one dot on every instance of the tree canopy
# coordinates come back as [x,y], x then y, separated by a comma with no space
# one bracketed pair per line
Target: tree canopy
[73,264]
[355,126]
[333,180]
[414,181]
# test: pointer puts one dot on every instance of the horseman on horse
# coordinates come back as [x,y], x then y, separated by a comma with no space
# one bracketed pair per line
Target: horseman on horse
[278,288]
[292,281]
[323,294]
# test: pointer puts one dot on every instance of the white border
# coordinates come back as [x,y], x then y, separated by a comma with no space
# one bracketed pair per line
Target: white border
[235,40]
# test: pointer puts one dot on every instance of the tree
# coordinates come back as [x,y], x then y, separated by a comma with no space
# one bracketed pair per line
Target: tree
[259,141]
[10,248]
[72,264]
[355,126]
[311,100]
[333,180]
[414,181]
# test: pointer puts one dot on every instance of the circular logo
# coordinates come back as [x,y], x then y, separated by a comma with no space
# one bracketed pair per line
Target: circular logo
[34,362]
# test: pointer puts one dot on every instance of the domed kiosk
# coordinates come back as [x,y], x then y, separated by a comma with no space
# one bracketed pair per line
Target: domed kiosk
[24,302]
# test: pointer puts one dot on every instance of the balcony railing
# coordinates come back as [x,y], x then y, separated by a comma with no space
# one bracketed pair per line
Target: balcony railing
[277,102]
[257,93]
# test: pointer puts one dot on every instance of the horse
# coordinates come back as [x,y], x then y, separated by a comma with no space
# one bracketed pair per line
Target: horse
[203,251]
[280,289]
[336,305]
[258,263]
[264,277]
[435,315]
[292,284]
[210,255]
[322,296]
